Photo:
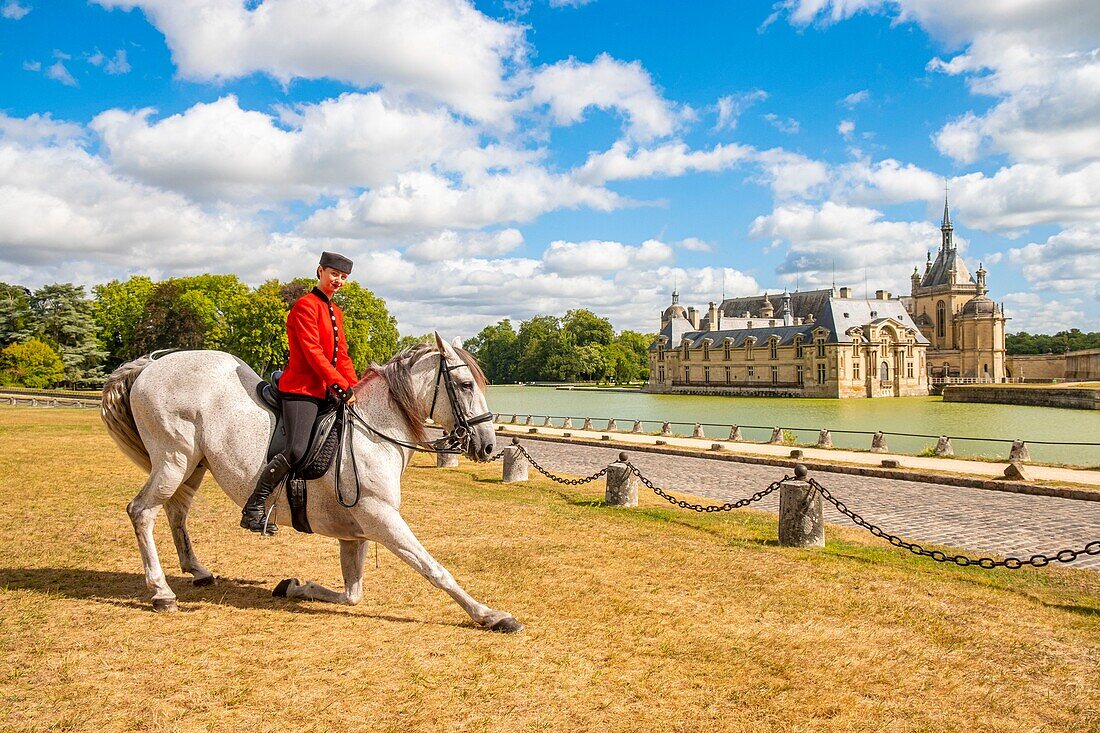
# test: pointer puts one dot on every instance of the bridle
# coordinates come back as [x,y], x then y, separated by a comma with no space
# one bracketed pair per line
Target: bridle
[455,442]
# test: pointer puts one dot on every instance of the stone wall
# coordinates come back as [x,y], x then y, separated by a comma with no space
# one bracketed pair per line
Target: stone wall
[1083,365]
[1076,398]
[1036,367]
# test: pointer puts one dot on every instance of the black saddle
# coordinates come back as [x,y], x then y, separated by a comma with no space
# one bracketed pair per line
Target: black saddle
[324,440]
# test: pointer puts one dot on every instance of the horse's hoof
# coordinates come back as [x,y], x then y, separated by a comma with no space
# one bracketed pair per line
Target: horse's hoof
[204,581]
[165,605]
[283,586]
[506,625]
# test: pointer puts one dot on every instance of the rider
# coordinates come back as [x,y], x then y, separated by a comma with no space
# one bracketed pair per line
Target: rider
[319,369]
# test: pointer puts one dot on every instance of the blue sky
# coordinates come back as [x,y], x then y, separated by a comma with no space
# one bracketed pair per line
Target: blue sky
[502,159]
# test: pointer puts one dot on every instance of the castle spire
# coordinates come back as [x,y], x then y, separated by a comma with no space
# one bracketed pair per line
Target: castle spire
[946,229]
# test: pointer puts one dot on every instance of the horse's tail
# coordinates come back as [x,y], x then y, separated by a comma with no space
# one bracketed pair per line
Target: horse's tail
[117,415]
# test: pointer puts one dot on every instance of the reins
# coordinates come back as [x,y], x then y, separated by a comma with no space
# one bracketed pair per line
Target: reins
[455,442]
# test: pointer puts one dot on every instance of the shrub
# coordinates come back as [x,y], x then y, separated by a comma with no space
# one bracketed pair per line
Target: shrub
[31,364]
[789,437]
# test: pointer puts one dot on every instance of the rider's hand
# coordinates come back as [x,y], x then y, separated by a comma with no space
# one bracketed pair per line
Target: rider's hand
[350,400]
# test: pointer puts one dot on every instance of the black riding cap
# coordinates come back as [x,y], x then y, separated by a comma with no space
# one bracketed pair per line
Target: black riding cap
[336,262]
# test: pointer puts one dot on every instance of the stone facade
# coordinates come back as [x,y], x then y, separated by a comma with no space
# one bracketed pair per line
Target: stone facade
[965,328]
[821,343]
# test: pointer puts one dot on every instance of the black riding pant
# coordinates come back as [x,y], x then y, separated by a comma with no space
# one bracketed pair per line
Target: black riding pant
[299,414]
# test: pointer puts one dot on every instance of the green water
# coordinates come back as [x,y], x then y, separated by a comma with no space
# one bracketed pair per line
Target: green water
[920,415]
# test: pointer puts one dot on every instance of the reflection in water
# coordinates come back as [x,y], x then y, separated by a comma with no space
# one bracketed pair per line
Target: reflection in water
[923,415]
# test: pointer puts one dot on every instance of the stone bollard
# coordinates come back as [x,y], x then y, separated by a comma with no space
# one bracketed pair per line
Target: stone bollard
[622,484]
[777,436]
[1016,471]
[548,423]
[515,465]
[587,424]
[446,460]
[530,420]
[1019,452]
[568,423]
[943,447]
[698,431]
[666,428]
[735,433]
[513,420]
[637,427]
[612,425]
[878,443]
[825,439]
[800,521]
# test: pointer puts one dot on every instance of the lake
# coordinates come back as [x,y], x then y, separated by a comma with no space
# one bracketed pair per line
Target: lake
[919,415]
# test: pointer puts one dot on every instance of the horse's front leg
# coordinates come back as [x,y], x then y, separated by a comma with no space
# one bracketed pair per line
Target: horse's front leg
[352,555]
[395,534]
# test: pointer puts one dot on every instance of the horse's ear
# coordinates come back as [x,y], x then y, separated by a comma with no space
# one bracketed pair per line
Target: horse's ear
[456,342]
[443,347]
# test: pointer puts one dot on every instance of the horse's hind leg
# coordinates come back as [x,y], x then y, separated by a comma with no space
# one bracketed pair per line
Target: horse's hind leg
[177,508]
[352,555]
[168,473]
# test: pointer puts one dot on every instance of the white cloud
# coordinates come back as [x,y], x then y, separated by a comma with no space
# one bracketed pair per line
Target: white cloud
[846,128]
[732,106]
[423,200]
[1035,313]
[451,245]
[670,159]
[569,3]
[13,10]
[791,174]
[694,244]
[887,181]
[1065,263]
[220,151]
[1026,194]
[569,88]
[788,125]
[32,66]
[855,99]
[35,129]
[853,240]
[443,49]
[118,63]
[58,72]
[603,258]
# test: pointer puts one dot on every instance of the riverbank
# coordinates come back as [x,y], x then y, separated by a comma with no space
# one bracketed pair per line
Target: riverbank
[1076,396]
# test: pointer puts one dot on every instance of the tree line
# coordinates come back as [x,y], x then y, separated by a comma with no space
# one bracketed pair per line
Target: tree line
[579,346]
[1071,340]
[58,335]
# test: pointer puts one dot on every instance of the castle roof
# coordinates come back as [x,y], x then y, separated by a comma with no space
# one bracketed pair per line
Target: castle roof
[948,259]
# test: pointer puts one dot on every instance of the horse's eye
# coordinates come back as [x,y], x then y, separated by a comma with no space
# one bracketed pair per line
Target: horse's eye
[468,386]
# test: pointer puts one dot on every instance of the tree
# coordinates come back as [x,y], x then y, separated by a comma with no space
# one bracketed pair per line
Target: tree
[16,317]
[635,351]
[370,329]
[407,342]
[496,349]
[257,328]
[168,323]
[31,364]
[541,350]
[118,308]
[585,327]
[66,320]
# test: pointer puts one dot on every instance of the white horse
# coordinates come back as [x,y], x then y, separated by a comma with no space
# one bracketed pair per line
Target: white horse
[188,412]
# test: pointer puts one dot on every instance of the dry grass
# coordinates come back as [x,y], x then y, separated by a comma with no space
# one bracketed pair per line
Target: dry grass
[654,619]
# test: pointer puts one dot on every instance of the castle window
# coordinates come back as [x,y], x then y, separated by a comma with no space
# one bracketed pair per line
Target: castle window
[687,356]
[821,348]
[821,374]
[752,372]
[660,374]
[687,374]
[660,353]
[941,318]
[728,355]
[775,375]
[706,374]
[798,347]
[884,371]
[706,352]
[801,378]
[727,375]
[773,349]
[909,369]
[855,369]
[748,351]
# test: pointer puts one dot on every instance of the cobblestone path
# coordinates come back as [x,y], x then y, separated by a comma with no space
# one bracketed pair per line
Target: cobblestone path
[975,519]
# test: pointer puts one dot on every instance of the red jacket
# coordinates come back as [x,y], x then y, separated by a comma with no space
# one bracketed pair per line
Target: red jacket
[318,351]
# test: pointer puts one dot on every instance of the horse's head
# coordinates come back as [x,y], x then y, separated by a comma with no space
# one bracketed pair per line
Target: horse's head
[444,383]
[458,400]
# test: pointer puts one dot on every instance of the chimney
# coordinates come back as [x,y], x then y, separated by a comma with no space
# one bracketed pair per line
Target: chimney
[882,295]
[693,317]
[845,292]
[712,315]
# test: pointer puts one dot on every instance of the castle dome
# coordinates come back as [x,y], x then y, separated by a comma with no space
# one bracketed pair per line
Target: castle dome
[979,305]
[675,311]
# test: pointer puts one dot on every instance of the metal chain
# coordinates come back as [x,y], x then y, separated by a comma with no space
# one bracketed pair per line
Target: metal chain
[559,479]
[729,506]
[1012,563]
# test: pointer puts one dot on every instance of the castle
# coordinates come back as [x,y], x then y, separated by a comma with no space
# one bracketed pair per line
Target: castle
[825,343]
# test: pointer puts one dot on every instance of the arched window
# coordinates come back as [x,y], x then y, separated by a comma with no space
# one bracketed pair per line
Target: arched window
[941,319]
[884,371]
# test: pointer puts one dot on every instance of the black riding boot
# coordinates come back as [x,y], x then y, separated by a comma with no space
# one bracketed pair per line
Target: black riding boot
[255,509]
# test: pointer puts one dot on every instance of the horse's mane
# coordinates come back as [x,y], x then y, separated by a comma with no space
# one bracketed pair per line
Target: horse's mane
[397,372]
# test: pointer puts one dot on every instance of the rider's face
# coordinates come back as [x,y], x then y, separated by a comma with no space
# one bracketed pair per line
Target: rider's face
[331,279]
